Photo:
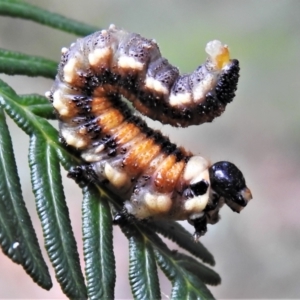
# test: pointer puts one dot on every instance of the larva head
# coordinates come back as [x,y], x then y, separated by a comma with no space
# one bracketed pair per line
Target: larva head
[228,182]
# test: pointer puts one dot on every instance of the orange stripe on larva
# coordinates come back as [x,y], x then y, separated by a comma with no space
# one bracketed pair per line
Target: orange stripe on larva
[110,119]
[126,132]
[100,104]
[172,176]
[160,178]
[139,157]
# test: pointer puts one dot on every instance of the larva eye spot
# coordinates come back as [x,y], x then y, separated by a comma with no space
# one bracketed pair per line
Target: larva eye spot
[228,182]
[199,188]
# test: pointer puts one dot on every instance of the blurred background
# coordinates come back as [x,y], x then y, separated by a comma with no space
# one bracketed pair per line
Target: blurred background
[257,253]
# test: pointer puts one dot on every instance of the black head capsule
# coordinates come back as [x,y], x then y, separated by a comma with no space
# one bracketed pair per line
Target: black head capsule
[228,182]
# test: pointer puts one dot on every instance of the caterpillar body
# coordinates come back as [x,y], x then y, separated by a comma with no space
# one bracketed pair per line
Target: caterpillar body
[156,178]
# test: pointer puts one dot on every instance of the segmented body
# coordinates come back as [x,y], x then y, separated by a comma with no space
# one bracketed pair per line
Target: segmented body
[157,178]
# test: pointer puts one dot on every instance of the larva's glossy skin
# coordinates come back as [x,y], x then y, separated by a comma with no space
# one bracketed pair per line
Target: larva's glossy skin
[156,178]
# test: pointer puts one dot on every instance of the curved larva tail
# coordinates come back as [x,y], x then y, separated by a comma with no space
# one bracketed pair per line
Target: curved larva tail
[133,66]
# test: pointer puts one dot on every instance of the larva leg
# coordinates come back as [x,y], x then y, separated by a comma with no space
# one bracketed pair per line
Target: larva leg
[83,174]
[200,225]
[122,217]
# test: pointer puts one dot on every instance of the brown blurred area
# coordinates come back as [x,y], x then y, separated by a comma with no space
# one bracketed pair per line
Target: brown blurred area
[256,252]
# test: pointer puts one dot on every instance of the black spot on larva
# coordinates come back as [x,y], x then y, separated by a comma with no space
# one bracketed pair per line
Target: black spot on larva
[148,99]
[109,142]
[187,113]
[123,150]
[129,82]
[181,85]
[112,152]
[141,124]
[178,153]
[158,137]
[149,132]
[199,188]
[168,147]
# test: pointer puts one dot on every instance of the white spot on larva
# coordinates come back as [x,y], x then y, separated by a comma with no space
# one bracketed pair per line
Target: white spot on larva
[90,157]
[196,215]
[203,87]
[149,82]
[60,104]
[112,27]
[195,166]
[158,203]
[127,62]
[73,139]
[147,46]
[116,178]
[196,204]
[104,32]
[218,54]
[64,50]
[70,69]
[48,94]
[64,112]
[100,148]
[80,143]
[98,55]
[129,207]
[82,130]
[180,99]
[198,171]
[202,176]
[156,85]
[214,48]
